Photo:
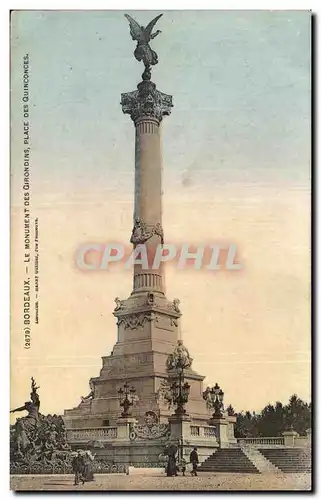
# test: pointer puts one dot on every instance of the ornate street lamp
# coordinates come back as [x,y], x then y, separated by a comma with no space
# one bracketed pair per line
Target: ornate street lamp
[214,398]
[180,392]
[175,389]
[126,398]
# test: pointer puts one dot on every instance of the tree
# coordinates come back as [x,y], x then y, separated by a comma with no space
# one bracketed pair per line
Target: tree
[273,420]
[298,415]
[245,425]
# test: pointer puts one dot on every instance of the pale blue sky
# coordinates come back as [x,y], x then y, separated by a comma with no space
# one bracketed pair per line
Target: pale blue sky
[240,83]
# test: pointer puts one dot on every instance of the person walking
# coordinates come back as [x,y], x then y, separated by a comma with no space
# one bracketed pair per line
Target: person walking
[193,458]
[171,469]
[78,468]
[88,467]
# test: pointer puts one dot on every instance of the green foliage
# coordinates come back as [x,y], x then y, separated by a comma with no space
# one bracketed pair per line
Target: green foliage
[273,420]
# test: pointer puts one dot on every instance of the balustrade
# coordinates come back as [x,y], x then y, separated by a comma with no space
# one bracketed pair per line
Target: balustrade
[209,432]
[92,433]
[195,430]
[202,431]
[262,441]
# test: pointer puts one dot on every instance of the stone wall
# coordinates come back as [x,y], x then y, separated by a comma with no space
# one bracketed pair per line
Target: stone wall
[141,445]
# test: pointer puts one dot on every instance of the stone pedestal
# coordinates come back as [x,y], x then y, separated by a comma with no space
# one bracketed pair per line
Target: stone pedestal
[123,428]
[180,431]
[180,426]
[221,425]
[289,438]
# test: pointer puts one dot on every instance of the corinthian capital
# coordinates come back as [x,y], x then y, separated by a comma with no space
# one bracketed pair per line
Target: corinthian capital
[146,102]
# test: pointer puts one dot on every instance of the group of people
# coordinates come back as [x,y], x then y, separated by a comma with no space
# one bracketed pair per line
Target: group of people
[82,464]
[82,467]
[172,468]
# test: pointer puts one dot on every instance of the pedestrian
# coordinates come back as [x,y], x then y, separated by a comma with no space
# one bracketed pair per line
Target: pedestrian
[193,458]
[78,468]
[171,469]
[183,465]
[88,474]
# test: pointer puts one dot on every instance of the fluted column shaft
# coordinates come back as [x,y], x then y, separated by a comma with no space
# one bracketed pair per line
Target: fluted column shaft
[147,106]
[148,199]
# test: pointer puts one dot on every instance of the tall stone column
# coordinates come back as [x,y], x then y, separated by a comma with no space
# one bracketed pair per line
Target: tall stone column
[147,106]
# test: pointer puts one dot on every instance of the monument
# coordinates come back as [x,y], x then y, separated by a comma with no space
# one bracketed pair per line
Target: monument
[148,323]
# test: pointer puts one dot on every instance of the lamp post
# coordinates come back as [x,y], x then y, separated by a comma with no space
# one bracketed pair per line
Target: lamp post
[175,391]
[126,398]
[178,388]
[180,392]
[214,397]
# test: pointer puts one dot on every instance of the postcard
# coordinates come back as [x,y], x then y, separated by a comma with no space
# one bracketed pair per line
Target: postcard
[160,250]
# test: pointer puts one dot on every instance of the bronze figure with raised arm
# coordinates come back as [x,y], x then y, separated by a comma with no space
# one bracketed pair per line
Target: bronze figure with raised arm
[32,407]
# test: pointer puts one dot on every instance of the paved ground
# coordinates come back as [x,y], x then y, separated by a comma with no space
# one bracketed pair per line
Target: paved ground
[205,481]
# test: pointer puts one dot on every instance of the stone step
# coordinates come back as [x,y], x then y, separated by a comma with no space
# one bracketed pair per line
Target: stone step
[259,461]
[230,470]
[228,460]
[293,464]
[288,460]
[228,466]
[253,460]
[299,467]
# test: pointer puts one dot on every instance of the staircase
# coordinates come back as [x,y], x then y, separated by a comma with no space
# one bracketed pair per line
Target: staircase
[228,460]
[259,461]
[289,460]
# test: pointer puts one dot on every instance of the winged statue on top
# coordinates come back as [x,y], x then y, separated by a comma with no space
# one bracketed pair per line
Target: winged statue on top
[143,35]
